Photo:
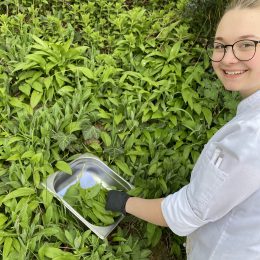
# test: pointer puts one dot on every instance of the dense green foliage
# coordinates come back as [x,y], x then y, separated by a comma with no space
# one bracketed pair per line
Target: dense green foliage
[125,81]
[203,15]
[90,203]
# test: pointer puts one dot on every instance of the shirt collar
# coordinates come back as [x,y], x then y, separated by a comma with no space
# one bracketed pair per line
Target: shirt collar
[248,103]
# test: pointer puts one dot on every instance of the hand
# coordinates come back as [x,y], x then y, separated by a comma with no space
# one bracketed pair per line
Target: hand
[116,201]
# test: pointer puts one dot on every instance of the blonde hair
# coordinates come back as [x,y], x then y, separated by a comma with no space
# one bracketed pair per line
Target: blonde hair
[242,4]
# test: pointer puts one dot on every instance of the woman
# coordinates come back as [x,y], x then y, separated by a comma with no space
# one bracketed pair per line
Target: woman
[219,210]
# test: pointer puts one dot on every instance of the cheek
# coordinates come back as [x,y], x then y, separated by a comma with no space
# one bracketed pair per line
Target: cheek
[254,64]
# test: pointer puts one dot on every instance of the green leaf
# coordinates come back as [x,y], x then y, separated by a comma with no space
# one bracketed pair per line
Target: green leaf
[26,89]
[154,234]
[61,79]
[163,185]
[157,115]
[24,221]
[73,126]
[64,167]
[146,117]
[20,192]
[3,219]
[174,51]
[20,66]
[35,98]
[52,252]
[16,245]
[36,158]
[96,146]
[14,157]
[103,114]
[145,253]
[129,142]
[153,168]
[64,139]
[46,198]
[106,138]
[7,247]
[49,66]
[208,115]
[173,120]
[91,133]
[197,108]
[118,118]
[7,234]
[16,102]
[124,167]
[35,77]
[48,232]
[28,154]
[67,44]
[150,228]
[187,96]
[65,90]
[28,75]
[49,214]
[37,58]
[87,72]
[92,192]
[164,33]
[42,43]
[69,237]
[48,81]
[14,139]
[36,178]
[77,242]
[37,86]
[166,70]
[186,151]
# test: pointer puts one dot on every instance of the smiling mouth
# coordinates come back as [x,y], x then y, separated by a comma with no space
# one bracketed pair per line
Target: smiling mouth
[237,72]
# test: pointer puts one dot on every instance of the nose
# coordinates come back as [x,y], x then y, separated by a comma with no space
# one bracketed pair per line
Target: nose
[229,56]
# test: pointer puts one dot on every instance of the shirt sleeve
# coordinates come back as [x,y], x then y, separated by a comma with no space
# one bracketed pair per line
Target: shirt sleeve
[226,174]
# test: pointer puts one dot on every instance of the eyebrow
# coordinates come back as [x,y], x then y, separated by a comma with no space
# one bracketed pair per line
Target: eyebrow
[241,37]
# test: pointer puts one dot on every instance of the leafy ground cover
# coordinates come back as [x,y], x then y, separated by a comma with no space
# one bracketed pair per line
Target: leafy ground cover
[128,82]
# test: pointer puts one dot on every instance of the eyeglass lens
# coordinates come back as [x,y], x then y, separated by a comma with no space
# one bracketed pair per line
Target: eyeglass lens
[243,50]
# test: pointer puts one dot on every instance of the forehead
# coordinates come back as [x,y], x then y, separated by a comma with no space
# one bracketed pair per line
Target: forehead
[239,22]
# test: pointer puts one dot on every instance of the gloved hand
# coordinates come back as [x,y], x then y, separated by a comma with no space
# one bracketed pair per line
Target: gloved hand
[116,201]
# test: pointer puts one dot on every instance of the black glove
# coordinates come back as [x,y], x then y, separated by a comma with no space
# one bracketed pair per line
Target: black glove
[116,201]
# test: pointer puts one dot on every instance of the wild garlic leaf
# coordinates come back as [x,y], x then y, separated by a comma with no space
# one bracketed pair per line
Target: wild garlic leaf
[63,140]
[64,167]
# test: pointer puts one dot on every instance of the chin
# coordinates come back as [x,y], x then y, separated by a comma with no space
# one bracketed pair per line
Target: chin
[231,88]
[234,86]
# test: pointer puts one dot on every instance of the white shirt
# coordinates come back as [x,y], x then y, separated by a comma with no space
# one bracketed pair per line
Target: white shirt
[219,209]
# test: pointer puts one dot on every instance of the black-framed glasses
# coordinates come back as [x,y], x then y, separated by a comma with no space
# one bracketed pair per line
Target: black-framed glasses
[243,50]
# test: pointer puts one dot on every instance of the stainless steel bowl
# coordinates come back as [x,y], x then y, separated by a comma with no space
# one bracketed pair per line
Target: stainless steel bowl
[88,170]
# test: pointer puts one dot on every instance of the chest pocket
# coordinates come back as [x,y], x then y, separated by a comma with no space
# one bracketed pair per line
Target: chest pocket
[206,180]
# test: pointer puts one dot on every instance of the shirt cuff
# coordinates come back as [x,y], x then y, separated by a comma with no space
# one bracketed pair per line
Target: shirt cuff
[178,214]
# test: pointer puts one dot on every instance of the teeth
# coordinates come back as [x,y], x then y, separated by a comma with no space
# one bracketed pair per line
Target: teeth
[234,72]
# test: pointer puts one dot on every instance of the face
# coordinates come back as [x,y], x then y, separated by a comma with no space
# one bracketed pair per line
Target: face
[242,76]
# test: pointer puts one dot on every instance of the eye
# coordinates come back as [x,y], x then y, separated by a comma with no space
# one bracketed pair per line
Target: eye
[246,45]
[218,46]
